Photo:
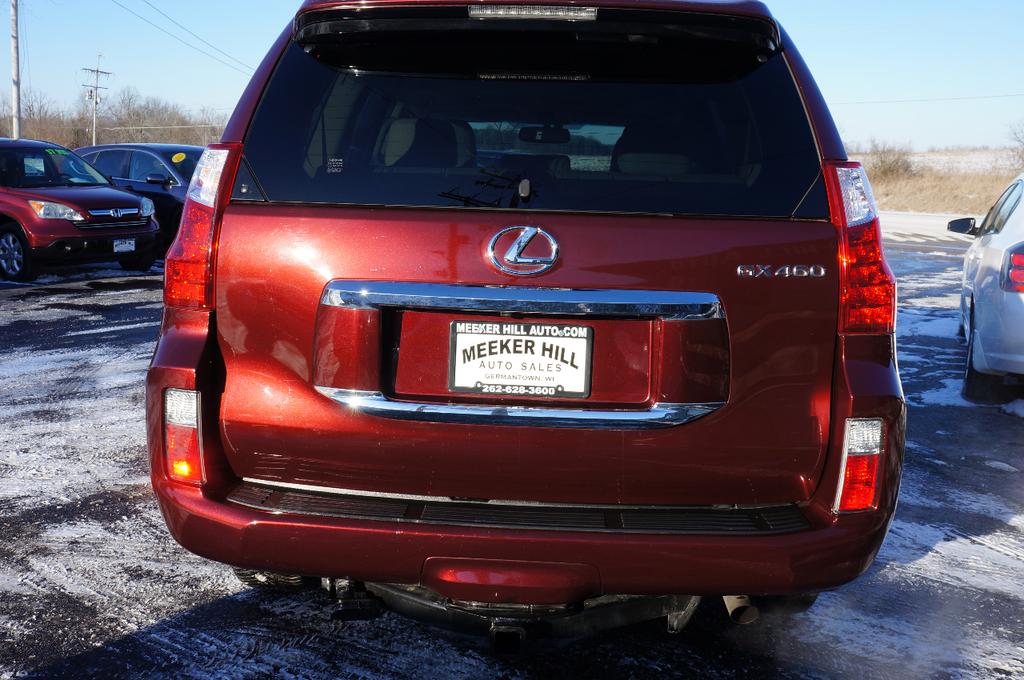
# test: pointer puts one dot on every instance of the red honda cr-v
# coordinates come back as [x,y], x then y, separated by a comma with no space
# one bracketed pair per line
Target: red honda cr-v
[500,309]
[56,208]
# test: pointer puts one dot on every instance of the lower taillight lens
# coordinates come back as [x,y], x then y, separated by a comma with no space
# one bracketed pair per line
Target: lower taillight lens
[188,268]
[869,293]
[863,446]
[1014,281]
[867,285]
[183,450]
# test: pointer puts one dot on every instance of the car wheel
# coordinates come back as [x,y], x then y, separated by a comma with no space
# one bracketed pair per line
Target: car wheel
[141,262]
[981,388]
[16,263]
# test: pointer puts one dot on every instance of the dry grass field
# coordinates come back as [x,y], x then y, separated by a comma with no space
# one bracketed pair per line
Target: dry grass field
[936,191]
[957,181]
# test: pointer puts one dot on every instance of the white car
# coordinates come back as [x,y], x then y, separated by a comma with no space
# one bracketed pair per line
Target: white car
[992,297]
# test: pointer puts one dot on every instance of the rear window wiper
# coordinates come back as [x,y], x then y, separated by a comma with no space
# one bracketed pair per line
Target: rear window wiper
[494,179]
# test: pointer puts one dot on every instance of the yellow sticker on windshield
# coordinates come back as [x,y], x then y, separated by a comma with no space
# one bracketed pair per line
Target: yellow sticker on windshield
[177,158]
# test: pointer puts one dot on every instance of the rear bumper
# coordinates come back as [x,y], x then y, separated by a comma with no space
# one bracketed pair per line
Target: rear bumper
[92,247]
[525,565]
[806,561]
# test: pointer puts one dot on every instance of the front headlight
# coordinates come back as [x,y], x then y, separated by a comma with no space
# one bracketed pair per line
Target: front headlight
[147,208]
[55,211]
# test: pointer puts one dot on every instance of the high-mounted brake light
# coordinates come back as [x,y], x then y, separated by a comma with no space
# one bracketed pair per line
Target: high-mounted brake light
[532,12]
[1013,281]
[183,449]
[188,269]
[858,474]
[867,285]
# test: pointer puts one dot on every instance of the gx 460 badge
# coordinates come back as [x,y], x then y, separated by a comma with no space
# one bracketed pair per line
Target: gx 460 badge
[786,271]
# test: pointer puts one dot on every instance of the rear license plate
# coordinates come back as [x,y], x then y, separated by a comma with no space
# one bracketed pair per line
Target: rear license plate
[124,245]
[520,359]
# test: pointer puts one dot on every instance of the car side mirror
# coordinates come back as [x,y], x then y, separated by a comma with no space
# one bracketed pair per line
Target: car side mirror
[966,226]
[163,180]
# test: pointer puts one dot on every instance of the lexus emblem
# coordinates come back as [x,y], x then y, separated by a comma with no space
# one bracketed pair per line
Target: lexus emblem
[516,260]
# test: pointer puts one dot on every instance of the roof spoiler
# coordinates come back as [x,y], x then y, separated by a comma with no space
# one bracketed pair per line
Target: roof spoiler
[333,25]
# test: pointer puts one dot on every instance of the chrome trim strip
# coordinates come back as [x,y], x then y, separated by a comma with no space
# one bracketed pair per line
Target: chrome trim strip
[114,212]
[417,498]
[664,304]
[112,225]
[658,416]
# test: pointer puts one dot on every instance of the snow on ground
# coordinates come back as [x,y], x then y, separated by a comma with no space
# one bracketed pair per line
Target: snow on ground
[929,311]
[89,574]
[70,412]
[968,160]
[82,272]
[963,160]
[1015,408]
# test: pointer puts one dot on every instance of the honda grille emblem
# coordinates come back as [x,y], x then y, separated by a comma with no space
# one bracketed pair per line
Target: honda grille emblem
[514,260]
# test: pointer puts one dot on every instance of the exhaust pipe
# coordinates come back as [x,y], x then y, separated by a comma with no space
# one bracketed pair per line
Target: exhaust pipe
[741,609]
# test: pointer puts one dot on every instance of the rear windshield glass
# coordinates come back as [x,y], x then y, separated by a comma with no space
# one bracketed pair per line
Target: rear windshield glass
[693,128]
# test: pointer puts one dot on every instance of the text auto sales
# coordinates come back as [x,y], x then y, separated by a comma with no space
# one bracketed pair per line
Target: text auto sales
[531,344]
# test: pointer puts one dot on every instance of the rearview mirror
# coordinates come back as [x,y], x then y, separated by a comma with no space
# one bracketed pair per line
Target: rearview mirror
[544,135]
[158,179]
[965,226]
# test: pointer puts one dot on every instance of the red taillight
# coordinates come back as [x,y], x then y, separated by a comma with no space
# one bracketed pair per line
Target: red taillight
[183,449]
[1014,281]
[188,269]
[867,285]
[863,444]
[860,482]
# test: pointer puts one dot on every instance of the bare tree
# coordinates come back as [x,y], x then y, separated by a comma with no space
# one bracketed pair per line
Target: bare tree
[1017,135]
[125,116]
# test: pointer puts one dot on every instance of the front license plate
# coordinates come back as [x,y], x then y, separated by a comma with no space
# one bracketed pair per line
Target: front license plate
[520,359]
[124,245]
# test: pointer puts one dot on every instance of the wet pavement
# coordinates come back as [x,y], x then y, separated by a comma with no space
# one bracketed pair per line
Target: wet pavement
[91,584]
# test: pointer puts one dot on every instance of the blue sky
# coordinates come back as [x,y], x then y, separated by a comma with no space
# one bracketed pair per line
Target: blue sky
[862,51]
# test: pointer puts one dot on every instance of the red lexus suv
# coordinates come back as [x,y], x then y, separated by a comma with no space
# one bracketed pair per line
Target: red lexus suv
[56,208]
[532,317]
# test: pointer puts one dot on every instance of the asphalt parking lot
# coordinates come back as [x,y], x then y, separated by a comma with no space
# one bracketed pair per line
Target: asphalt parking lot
[91,584]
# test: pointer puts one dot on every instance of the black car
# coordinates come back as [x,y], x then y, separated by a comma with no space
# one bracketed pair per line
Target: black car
[161,172]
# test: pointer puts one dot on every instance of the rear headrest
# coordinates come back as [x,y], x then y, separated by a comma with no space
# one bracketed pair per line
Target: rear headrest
[465,142]
[676,148]
[658,164]
[420,142]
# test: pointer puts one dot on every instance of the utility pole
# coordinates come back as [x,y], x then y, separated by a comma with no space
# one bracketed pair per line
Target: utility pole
[15,74]
[93,91]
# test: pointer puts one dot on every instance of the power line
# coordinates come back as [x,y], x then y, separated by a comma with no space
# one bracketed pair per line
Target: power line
[208,44]
[931,99]
[183,42]
[164,127]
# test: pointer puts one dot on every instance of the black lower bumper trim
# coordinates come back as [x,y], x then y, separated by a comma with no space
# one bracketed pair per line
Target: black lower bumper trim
[699,520]
[78,248]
